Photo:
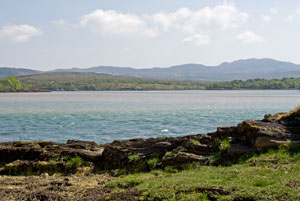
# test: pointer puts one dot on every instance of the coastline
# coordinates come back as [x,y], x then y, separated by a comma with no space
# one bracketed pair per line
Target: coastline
[148,90]
[62,165]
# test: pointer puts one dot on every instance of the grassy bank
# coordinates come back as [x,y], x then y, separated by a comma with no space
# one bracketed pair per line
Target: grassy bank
[274,175]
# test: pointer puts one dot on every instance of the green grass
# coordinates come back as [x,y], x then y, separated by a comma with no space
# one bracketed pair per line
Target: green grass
[74,163]
[152,163]
[271,176]
[197,142]
[134,158]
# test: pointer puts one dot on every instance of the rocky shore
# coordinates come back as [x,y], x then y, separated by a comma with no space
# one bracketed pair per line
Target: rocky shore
[79,169]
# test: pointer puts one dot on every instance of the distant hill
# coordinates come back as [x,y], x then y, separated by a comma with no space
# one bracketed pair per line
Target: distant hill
[66,77]
[237,70]
[80,81]
[6,71]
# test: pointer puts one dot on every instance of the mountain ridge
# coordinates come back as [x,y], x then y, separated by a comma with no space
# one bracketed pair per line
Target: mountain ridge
[11,71]
[242,69]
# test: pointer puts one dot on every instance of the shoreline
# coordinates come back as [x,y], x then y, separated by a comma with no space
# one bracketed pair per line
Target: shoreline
[159,168]
[248,136]
[150,90]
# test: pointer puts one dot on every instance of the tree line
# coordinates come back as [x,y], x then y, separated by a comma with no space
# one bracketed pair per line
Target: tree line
[13,84]
[285,83]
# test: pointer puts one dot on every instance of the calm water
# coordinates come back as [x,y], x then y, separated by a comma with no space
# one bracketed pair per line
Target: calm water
[106,116]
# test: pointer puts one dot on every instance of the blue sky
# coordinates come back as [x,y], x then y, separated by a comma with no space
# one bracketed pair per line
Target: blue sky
[54,34]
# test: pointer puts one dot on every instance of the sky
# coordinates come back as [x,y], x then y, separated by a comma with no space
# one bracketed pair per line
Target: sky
[51,34]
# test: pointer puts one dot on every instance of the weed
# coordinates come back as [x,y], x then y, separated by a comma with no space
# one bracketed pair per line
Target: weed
[224,144]
[194,141]
[167,154]
[171,169]
[134,158]
[152,163]
[74,163]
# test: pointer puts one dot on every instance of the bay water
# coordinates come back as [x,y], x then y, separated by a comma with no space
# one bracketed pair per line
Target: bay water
[113,115]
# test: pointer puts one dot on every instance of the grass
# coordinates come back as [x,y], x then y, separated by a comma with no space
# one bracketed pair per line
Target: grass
[194,141]
[274,175]
[152,163]
[134,158]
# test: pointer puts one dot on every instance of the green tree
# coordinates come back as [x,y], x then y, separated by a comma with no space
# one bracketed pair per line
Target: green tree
[15,83]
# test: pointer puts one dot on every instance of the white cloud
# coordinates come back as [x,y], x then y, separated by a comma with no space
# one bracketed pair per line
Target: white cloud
[112,22]
[220,17]
[269,17]
[19,33]
[193,25]
[197,40]
[249,37]
[151,33]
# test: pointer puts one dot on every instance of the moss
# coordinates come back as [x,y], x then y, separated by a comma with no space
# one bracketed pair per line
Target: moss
[167,154]
[139,166]
[74,163]
[152,163]
[194,141]
[218,157]
[53,166]
[26,143]
[134,158]
[224,144]
[293,113]
[28,168]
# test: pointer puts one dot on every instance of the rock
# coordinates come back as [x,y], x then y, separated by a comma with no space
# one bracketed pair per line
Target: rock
[238,150]
[181,158]
[112,158]
[44,176]
[28,168]
[223,133]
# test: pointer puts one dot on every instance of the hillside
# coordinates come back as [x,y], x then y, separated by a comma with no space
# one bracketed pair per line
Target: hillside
[71,81]
[75,81]
[6,71]
[236,70]
[241,69]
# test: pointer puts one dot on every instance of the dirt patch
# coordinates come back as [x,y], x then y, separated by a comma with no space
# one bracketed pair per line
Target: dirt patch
[61,188]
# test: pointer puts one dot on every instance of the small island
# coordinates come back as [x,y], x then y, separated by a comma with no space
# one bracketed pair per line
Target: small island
[255,160]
